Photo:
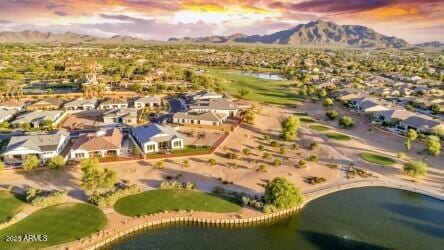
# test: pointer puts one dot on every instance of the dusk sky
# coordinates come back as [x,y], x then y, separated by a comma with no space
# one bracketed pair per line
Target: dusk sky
[413,20]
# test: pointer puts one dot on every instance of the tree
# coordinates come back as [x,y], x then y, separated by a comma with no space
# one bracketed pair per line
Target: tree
[137,87]
[435,108]
[159,165]
[282,194]
[94,178]
[411,134]
[48,125]
[31,162]
[290,127]
[322,93]
[243,92]
[249,116]
[346,122]
[331,114]
[415,168]
[433,145]
[408,144]
[327,102]
[56,162]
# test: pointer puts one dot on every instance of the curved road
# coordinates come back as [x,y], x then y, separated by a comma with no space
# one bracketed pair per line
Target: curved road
[175,106]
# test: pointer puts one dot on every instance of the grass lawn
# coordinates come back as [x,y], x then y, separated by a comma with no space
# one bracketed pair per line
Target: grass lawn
[338,136]
[318,127]
[377,159]
[10,205]
[188,150]
[169,200]
[261,90]
[61,223]
[306,119]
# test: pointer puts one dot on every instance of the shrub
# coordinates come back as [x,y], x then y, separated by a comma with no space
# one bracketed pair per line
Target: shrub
[219,190]
[302,164]
[327,102]
[415,168]
[274,144]
[42,198]
[260,147]
[177,185]
[314,145]
[212,162]
[331,114]
[433,145]
[268,208]
[266,155]
[108,199]
[277,162]
[263,168]
[185,163]
[313,158]
[56,162]
[282,150]
[31,162]
[401,155]
[346,122]
[231,155]
[295,146]
[247,151]
[159,165]
[266,137]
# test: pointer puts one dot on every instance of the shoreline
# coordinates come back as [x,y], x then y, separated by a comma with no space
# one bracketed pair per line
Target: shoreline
[97,241]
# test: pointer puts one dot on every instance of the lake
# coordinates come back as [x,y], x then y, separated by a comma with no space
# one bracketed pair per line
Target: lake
[363,218]
[265,76]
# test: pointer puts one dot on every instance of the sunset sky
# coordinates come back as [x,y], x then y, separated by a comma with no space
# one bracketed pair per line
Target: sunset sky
[413,20]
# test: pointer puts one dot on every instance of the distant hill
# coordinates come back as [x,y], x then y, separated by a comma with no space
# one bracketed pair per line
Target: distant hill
[434,44]
[68,37]
[313,33]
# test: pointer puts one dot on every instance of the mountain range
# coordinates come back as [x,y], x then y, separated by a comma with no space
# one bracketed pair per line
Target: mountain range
[312,33]
[67,37]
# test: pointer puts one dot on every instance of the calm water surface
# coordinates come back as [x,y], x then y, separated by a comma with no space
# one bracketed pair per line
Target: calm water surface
[264,76]
[364,218]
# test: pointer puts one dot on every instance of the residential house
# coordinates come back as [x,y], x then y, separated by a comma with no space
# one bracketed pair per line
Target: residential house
[43,146]
[126,116]
[36,118]
[392,116]
[202,96]
[205,118]
[13,105]
[46,104]
[81,104]
[113,103]
[421,123]
[7,114]
[103,143]
[157,138]
[368,105]
[220,105]
[148,101]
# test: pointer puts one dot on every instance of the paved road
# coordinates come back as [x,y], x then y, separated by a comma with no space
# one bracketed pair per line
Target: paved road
[175,106]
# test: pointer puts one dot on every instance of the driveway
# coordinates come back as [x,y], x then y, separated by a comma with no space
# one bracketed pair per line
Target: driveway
[175,106]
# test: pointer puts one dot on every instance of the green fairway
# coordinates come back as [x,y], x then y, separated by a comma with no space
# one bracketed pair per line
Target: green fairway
[338,136]
[10,205]
[377,159]
[318,127]
[169,200]
[260,90]
[61,223]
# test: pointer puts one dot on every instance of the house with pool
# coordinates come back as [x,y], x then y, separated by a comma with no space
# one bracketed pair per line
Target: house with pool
[153,138]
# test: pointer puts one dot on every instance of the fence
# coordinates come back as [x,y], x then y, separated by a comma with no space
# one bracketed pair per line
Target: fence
[197,221]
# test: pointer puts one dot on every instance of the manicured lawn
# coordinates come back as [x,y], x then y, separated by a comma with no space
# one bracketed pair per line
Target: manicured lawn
[169,200]
[260,90]
[10,205]
[377,159]
[306,119]
[338,136]
[61,223]
[318,127]
[188,150]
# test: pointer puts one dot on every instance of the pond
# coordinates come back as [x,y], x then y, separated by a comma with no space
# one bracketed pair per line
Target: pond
[265,76]
[364,218]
